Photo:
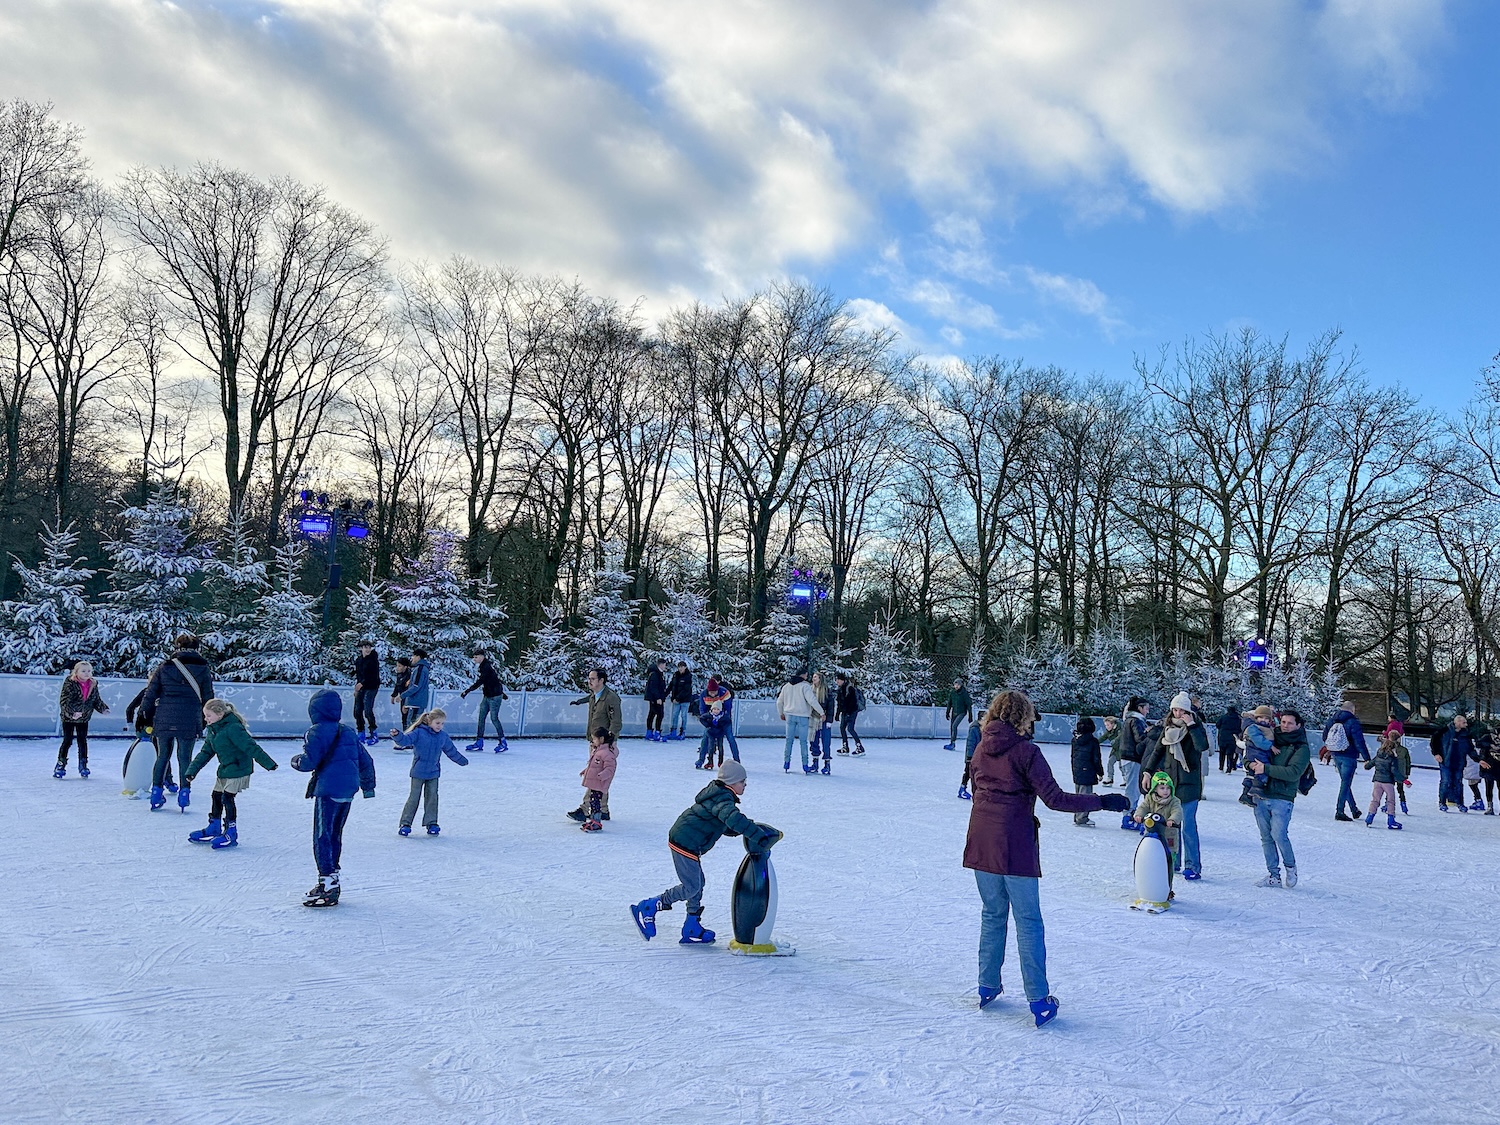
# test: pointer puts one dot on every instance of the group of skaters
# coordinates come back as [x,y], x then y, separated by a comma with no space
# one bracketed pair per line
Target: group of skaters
[808,704]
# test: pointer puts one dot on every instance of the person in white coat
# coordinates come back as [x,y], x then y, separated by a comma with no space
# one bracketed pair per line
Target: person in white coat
[797,703]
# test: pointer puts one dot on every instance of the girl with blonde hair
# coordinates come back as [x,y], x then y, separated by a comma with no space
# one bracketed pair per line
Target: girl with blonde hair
[78,701]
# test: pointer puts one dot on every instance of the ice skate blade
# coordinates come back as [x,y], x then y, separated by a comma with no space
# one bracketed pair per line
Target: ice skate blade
[768,949]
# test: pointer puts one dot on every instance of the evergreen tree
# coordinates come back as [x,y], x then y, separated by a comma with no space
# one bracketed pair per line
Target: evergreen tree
[368,619]
[433,608]
[550,663]
[234,581]
[283,645]
[683,630]
[146,606]
[732,654]
[891,671]
[46,625]
[782,644]
[973,673]
[606,639]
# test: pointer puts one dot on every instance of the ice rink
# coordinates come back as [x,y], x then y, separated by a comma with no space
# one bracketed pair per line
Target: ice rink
[493,973]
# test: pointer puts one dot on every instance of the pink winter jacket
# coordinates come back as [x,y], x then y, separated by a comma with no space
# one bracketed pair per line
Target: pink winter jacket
[601,768]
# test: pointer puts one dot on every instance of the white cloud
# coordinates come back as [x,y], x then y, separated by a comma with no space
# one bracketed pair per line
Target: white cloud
[690,146]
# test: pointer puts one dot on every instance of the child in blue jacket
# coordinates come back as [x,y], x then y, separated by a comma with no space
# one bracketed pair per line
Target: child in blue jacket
[976,732]
[427,744]
[340,766]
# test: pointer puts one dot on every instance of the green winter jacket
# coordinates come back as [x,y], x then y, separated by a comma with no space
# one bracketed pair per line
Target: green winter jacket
[713,814]
[960,705]
[230,742]
[1287,765]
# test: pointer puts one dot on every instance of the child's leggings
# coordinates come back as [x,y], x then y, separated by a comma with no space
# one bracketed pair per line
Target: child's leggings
[1389,791]
[222,804]
[81,731]
[596,804]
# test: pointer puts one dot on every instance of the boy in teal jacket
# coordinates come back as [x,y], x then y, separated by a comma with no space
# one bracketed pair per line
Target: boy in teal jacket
[713,815]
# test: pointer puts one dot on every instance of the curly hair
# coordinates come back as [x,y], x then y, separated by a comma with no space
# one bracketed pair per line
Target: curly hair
[1014,708]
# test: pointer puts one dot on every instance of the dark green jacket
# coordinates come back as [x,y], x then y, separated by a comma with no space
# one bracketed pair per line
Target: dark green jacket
[1287,765]
[713,814]
[960,704]
[230,742]
[1187,784]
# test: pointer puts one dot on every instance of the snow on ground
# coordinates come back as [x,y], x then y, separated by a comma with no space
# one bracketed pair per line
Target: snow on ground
[493,974]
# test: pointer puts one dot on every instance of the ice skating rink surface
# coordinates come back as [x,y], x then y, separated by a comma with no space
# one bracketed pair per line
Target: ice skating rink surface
[493,973]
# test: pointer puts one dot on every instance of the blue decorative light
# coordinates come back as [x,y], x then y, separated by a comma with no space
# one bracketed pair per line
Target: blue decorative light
[357,529]
[314,523]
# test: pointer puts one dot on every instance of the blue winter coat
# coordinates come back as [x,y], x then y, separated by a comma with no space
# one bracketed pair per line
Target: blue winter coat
[1229,725]
[339,763]
[976,732]
[1355,733]
[419,695]
[1458,747]
[427,748]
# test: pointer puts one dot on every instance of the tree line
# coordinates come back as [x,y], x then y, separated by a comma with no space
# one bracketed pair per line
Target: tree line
[238,339]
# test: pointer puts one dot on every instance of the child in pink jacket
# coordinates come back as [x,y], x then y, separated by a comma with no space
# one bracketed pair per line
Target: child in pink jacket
[604,755]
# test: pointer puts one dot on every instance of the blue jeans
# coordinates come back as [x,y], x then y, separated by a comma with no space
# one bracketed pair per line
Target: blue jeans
[953,729]
[1018,895]
[679,718]
[1346,764]
[1272,818]
[823,737]
[1189,857]
[1452,782]
[1130,778]
[796,727]
[490,705]
[329,817]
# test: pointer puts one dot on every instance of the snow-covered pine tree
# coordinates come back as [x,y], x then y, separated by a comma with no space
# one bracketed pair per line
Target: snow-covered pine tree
[1049,678]
[973,672]
[47,623]
[146,605]
[284,643]
[549,663]
[682,630]
[782,645]
[433,608]
[234,581]
[732,652]
[606,640]
[1329,691]
[368,619]
[890,670]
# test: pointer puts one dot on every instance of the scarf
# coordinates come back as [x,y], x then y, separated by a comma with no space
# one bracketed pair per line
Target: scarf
[1171,737]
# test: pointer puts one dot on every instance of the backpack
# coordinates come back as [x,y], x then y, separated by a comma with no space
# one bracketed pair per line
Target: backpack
[859,699]
[1308,779]
[1336,741]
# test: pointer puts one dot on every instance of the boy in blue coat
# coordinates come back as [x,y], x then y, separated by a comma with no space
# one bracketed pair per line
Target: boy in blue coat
[340,767]
[427,744]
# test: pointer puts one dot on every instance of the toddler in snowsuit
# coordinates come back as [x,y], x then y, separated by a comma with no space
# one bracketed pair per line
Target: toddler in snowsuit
[427,744]
[340,767]
[225,738]
[604,756]
[715,720]
[1162,801]
[77,702]
[713,815]
[1387,781]
[1260,745]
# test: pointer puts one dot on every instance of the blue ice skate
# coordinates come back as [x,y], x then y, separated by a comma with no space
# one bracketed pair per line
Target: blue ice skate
[83,771]
[1044,1009]
[60,771]
[169,785]
[157,800]
[504,745]
[693,932]
[644,914]
[964,794]
[433,830]
[208,835]
[1392,823]
[988,996]
[476,745]
[229,839]
[404,830]
[184,795]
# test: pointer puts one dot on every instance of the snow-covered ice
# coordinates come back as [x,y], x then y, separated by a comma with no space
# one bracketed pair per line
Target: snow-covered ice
[493,974]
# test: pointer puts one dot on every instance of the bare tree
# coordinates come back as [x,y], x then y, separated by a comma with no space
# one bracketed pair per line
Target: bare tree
[41,167]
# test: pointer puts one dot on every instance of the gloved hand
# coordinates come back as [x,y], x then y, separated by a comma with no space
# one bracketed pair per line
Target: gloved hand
[274,766]
[369,793]
[1114,802]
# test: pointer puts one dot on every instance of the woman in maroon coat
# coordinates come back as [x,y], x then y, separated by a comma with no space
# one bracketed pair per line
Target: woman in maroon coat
[1008,775]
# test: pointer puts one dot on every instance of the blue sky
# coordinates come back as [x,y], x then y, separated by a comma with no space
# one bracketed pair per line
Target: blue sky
[1072,181]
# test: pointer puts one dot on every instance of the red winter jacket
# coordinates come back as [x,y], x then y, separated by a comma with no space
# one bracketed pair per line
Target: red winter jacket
[1007,775]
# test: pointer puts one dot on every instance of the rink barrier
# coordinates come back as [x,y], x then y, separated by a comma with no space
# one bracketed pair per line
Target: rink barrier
[28,708]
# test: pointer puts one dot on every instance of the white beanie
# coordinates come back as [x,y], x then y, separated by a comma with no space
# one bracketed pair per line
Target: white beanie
[1182,702]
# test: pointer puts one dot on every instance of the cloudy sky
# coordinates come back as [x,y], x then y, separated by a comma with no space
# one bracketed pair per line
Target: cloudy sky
[1074,181]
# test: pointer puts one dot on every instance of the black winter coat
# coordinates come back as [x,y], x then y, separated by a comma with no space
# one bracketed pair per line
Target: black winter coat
[367,670]
[1087,766]
[487,680]
[1187,783]
[682,687]
[656,686]
[1230,724]
[171,705]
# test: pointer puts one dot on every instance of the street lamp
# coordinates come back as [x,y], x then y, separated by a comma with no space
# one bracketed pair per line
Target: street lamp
[1255,654]
[317,517]
[805,590]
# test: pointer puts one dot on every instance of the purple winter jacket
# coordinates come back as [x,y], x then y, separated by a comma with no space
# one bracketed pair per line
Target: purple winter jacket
[1007,775]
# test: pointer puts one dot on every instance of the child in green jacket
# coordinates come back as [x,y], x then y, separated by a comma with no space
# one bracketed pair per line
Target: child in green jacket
[225,738]
[1162,801]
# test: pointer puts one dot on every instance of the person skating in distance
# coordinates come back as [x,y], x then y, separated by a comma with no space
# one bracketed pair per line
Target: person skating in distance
[713,815]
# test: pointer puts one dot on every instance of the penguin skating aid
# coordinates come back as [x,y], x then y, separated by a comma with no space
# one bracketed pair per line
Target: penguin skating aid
[1152,864]
[753,909]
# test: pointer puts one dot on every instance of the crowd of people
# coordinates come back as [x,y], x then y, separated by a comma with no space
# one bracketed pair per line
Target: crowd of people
[1160,764]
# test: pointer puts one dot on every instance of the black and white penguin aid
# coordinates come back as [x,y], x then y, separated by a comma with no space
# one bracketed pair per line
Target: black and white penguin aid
[1151,871]
[752,909]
